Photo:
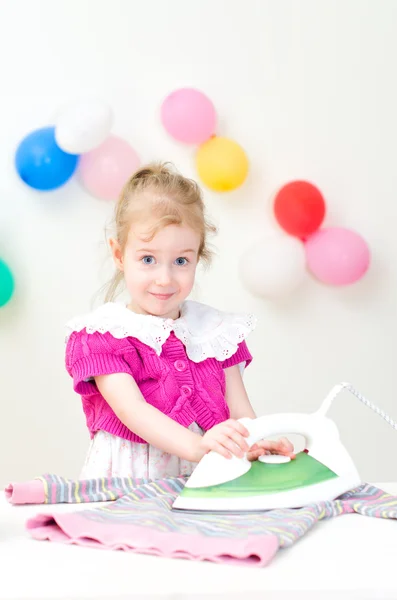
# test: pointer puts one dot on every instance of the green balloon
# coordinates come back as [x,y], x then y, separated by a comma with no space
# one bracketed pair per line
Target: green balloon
[6,283]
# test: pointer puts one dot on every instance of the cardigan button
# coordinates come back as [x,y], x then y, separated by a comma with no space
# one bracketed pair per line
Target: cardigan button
[186,391]
[180,365]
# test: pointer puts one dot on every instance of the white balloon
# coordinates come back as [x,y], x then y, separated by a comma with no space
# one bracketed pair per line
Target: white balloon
[273,267]
[83,126]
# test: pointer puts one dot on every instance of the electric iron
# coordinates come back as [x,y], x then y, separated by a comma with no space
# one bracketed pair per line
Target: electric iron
[323,471]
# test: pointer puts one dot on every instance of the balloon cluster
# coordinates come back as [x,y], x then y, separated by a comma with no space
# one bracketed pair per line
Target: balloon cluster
[278,264]
[189,117]
[79,141]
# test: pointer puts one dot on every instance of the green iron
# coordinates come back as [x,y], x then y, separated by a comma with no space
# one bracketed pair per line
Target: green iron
[323,471]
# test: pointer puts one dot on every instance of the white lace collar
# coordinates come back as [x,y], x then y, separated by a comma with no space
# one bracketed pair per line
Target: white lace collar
[205,331]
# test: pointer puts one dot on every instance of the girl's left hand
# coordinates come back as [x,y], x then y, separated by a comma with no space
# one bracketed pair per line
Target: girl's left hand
[281,446]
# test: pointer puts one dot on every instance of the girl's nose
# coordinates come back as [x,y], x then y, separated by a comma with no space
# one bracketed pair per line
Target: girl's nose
[163,276]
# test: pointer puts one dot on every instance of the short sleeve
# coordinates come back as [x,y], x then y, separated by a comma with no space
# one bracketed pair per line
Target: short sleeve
[241,357]
[91,354]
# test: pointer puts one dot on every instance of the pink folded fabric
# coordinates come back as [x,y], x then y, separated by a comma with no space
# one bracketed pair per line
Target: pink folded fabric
[141,520]
[80,529]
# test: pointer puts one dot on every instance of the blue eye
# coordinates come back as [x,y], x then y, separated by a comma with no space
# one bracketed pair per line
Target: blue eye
[181,261]
[148,260]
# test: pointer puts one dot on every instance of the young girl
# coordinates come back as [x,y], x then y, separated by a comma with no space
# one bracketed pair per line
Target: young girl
[160,378]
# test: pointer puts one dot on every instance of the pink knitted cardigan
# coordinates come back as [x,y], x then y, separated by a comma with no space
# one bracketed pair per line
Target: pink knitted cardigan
[186,390]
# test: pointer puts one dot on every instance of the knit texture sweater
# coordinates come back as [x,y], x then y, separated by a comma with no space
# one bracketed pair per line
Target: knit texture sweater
[184,389]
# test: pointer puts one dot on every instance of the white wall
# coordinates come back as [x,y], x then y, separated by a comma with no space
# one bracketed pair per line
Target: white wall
[308,88]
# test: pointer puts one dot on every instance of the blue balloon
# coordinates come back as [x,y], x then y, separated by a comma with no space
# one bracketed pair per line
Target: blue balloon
[40,162]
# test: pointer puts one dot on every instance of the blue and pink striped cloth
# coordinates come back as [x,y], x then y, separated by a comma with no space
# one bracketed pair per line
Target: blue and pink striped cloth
[138,518]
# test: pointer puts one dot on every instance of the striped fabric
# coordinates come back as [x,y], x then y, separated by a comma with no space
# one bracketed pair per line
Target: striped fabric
[147,504]
[150,505]
[59,490]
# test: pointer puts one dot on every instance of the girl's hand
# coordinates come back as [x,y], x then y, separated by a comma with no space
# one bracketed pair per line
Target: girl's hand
[281,446]
[226,438]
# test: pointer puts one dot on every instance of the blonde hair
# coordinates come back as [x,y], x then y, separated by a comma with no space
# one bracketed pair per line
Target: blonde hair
[158,193]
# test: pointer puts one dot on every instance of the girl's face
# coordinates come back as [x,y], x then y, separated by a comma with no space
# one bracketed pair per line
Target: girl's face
[159,274]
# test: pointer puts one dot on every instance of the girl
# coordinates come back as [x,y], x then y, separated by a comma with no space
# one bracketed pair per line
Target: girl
[160,378]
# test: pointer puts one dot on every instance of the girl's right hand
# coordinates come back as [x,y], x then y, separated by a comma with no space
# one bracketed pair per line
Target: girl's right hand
[226,438]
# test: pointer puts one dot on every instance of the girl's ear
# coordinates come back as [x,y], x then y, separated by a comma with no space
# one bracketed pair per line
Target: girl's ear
[116,253]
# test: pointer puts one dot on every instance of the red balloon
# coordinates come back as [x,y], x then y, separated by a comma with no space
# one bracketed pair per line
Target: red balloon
[299,208]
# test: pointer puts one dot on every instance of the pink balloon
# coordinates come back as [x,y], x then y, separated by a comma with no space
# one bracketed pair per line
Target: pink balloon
[189,116]
[104,170]
[337,256]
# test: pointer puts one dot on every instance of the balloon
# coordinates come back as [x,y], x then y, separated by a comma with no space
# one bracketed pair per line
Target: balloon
[105,170]
[337,256]
[40,162]
[189,116]
[299,208]
[83,126]
[273,267]
[6,283]
[222,164]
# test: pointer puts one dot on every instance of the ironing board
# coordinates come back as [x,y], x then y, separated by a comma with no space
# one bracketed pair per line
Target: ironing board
[349,557]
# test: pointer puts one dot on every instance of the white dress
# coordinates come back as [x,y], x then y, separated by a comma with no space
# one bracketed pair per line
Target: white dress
[205,332]
[112,456]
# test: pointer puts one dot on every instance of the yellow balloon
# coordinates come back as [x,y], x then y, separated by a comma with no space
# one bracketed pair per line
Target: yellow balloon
[222,164]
